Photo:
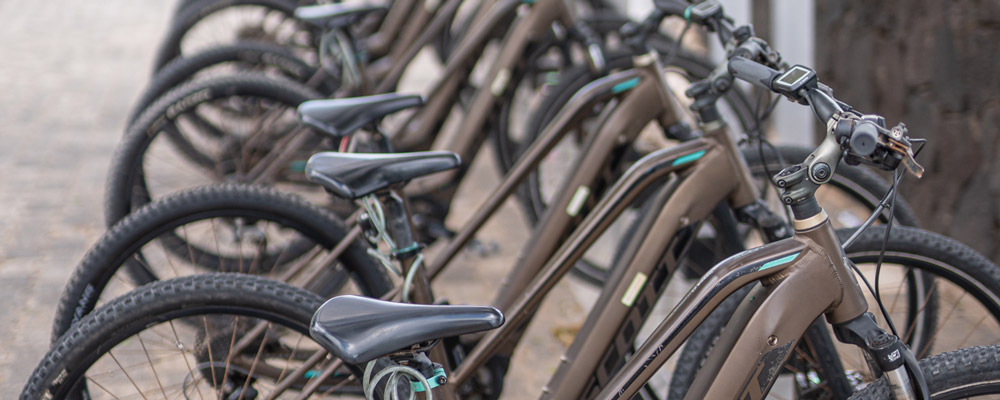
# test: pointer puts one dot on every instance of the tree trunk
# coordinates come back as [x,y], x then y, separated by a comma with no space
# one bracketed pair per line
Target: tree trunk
[934,65]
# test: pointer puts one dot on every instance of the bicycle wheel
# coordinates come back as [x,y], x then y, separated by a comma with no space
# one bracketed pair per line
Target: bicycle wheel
[239,57]
[240,128]
[222,335]
[941,295]
[966,373]
[209,23]
[221,228]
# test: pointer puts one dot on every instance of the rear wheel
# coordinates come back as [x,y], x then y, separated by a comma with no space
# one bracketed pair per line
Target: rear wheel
[209,23]
[240,128]
[222,228]
[209,336]
[245,56]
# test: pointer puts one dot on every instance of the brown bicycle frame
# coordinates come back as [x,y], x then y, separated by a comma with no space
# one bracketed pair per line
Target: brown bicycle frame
[801,279]
[542,265]
[798,268]
[426,123]
[688,199]
[714,158]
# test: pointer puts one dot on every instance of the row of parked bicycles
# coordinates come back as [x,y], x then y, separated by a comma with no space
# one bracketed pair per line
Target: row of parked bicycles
[270,202]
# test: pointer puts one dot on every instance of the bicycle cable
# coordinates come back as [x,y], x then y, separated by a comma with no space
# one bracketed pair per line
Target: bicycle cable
[677,45]
[397,372]
[885,242]
[890,196]
[755,134]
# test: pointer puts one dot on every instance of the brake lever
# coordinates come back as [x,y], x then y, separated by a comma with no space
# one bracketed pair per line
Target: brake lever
[898,142]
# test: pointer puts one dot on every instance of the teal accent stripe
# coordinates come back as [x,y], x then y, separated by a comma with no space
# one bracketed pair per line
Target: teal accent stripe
[687,13]
[621,87]
[780,261]
[688,158]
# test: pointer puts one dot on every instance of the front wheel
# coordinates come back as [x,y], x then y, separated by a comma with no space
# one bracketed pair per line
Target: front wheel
[940,294]
[966,373]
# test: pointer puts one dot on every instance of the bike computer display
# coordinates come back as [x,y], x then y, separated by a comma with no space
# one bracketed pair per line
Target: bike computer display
[793,79]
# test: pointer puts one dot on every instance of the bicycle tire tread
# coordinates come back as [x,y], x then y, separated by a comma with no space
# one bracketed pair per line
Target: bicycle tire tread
[136,140]
[180,70]
[962,367]
[163,296]
[135,227]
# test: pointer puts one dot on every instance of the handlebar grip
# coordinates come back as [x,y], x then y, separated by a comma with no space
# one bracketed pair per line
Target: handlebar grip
[864,137]
[751,71]
[671,7]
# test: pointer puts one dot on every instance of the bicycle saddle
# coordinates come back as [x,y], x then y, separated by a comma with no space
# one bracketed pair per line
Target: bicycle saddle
[341,117]
[360,329]
[353,175]
[335,15]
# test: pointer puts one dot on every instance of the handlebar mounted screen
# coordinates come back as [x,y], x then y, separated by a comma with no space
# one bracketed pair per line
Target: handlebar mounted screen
[794,79]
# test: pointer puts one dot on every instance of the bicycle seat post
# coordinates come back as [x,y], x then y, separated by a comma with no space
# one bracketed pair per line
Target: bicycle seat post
[388,220]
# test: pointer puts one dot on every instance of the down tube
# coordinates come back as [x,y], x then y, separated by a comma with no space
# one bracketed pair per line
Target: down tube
[610,328]
[649,169]
[721,281]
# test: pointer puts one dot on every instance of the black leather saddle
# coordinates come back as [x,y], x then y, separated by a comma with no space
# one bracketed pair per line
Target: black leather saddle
[341,117]
[360,329]
[353,175]
[335,15]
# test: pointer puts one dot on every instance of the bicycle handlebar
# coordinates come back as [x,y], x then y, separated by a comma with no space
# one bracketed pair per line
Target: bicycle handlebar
[865,136]
[751,71]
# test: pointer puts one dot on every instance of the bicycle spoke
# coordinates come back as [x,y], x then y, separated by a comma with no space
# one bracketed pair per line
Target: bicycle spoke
[90,380]
[298,373]
[229,357]
[139,391]
[155,375]
[941,325]
[253,366]
[211,360]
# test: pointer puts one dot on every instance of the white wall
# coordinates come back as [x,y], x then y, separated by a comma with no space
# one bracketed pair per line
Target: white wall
[793,25]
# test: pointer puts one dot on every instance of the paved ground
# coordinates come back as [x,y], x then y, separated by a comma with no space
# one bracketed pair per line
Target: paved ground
[68,71]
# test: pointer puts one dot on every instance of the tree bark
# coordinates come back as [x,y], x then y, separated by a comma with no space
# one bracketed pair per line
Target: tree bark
[934,65]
